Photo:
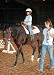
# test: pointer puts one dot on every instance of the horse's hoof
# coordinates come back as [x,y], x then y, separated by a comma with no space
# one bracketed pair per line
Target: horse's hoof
[23,62]
[32,58]
[15,64]
[38,59]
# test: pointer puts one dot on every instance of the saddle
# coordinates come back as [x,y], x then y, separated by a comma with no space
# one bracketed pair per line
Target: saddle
[35,29]
[31,38]
[27,26]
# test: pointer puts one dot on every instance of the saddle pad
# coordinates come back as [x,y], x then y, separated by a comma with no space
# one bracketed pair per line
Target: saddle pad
[35,30]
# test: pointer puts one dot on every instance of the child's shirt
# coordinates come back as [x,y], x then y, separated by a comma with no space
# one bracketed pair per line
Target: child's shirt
[28,20]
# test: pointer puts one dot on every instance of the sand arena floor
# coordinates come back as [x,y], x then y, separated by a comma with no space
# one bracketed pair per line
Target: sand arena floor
[29,68]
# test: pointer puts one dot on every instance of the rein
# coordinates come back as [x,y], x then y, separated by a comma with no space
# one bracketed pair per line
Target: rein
[9,32]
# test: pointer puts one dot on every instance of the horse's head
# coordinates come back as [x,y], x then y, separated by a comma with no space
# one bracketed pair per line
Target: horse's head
[10,32]
[7,34]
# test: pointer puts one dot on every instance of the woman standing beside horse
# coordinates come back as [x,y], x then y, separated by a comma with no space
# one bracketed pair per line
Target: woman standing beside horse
[47,44]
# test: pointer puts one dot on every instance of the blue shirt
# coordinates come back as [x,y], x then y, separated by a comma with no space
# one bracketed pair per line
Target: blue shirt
[28,20]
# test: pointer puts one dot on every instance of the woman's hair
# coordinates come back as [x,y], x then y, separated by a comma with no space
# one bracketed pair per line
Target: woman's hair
[50,23]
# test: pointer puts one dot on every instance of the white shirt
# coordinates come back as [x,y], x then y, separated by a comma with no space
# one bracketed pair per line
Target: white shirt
[50,40]
[28,20]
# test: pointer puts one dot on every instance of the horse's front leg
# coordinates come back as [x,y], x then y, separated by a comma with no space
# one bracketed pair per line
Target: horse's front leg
[22,53]
[18,53]
[23,57]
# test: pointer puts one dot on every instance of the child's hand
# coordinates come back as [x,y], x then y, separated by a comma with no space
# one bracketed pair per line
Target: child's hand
[22,22]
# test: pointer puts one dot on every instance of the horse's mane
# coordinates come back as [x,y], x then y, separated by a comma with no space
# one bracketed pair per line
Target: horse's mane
[13,26]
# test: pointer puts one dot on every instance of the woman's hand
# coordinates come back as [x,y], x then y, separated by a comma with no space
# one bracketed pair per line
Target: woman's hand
[48,33]
[52,35]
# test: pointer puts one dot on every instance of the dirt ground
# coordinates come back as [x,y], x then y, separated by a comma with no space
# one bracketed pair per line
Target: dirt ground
[29,68]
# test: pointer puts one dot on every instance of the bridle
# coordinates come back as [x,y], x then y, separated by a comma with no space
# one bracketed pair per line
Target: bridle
[9,31]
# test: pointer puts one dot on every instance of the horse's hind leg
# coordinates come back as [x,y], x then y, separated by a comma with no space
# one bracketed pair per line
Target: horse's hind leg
[39,53]
[34,49]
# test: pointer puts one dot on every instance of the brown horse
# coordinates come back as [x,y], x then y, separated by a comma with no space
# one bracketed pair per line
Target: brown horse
[21,38]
